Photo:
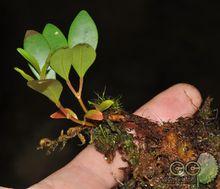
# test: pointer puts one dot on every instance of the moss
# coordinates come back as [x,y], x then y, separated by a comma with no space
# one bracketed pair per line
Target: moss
[153,148]
[109,137]
[106,141]
[115,107]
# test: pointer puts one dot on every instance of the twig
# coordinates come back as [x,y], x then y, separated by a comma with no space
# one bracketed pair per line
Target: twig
[77,94]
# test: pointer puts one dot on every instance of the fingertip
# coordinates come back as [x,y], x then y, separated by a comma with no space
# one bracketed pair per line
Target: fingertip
[180,100]
[192,93]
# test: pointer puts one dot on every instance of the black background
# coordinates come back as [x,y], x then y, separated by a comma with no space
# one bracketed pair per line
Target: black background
[144,47]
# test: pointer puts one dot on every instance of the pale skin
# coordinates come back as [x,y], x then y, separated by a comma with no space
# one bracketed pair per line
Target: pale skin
[89,170]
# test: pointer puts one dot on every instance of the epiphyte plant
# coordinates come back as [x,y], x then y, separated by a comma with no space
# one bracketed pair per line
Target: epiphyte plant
[50,53]
[151,148]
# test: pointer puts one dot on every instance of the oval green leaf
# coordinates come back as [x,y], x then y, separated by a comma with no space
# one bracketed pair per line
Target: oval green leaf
[105,105]
[37,46]
[51,88]
[61,62]
[54,37]
[83,56]
[94,115]
[83,30]
[30,59]
[23,74]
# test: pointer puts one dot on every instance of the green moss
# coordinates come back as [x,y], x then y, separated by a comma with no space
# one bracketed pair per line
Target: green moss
[105,140]
[130,149]
[115,107]
[109,137]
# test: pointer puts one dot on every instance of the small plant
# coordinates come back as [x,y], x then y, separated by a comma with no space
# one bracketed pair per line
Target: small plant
[150,149]
[50,53]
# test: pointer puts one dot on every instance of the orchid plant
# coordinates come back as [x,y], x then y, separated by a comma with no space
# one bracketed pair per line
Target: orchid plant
[49,54]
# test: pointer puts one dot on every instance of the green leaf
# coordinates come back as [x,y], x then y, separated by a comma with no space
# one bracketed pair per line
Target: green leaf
[209,168]
[61,61]
[34,71]
[105,105]
[83,56]
[50,74]
[24,75]
[83,30]
[51,88]
[45,68]
[94,115]
[37,46]
[29,58]
[54,37]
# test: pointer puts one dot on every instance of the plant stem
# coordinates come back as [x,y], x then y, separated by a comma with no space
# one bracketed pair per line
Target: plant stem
[80,86]
[77,94]
[72,89]
[83,123]
[82,105]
